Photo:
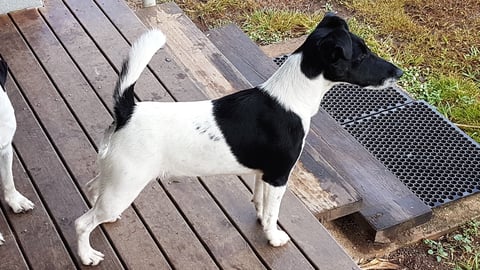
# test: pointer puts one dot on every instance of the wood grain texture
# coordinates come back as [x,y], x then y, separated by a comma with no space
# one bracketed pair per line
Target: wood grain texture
[36,224]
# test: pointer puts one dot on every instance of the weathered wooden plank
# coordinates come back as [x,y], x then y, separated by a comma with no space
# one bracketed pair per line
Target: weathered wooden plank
[112,44]
[50,252]
[235,198]
[178,241]
[37,224]
[389,206]
[65,75]
[242,53]
[321,188]
[40,157]
[12,257]
[225,243]
[193,50]
[164,63]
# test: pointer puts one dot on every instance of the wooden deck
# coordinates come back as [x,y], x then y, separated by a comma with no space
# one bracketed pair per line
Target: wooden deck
[64,59]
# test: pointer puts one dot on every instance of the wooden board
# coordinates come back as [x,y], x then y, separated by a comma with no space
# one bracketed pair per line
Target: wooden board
[164,64]
[235,198]
[34,147]
[389,206]
[12,257]
[113,45]
[36,224]
[225,243]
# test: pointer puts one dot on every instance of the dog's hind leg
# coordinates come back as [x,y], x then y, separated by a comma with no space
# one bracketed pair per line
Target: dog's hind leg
[14,199]
[93,189]
[258,196]
[272,197]
[117,193]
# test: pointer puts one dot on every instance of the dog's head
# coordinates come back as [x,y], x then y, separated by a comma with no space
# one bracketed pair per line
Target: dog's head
[3,74]
[341,56]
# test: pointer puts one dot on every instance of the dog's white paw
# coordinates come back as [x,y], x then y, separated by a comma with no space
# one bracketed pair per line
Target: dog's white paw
[1,239]
[18,202]
[90,256]
[277,238]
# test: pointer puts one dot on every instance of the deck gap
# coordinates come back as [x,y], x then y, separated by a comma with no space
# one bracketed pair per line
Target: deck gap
[105,56]
[190,225]
[15,233]
[279,224]
[37,190]
[234,224]
[75,63]
[68,171]
[70,109]
[126,39]
[152,235]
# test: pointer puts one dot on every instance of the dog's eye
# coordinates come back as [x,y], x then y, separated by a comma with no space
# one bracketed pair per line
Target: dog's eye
[360,58]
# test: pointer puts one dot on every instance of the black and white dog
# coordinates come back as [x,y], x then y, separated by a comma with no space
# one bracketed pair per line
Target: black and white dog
[257,131]
[8,125]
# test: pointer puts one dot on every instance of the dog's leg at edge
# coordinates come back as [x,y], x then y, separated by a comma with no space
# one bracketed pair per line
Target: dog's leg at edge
[272,198]
[14,199]
[258,196]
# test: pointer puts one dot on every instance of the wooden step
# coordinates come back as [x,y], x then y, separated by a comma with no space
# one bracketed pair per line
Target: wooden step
[215,76]
[389,206]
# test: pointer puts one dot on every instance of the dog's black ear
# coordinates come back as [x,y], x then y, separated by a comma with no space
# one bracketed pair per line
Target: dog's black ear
[338,45]
[3,73]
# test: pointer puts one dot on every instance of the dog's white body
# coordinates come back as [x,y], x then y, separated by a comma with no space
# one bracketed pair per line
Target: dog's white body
[195,138]
[8,125]
[257,131]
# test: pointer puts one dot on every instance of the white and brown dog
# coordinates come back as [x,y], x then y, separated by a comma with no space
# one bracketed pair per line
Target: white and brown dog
[8,125]
[257,131]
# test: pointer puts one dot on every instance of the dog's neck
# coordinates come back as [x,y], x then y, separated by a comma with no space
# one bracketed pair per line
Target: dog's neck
[292,89]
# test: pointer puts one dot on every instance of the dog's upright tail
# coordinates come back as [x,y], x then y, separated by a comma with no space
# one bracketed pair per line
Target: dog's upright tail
[140,54]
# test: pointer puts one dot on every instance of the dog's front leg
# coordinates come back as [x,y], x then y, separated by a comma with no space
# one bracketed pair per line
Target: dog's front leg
[14,199]
[272,197]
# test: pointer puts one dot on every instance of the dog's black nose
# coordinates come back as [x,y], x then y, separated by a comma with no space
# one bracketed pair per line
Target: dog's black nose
[398,73]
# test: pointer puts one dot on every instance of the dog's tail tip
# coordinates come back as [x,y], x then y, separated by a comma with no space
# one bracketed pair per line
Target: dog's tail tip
[139,56]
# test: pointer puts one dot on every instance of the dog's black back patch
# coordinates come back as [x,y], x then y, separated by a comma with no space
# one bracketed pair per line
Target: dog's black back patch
[261,133]
[3,73]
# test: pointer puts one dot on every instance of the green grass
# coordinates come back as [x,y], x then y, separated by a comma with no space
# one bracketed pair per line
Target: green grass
[460,250]
[266,26]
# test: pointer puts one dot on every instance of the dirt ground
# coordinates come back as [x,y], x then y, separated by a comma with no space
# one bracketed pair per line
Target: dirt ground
[406,252]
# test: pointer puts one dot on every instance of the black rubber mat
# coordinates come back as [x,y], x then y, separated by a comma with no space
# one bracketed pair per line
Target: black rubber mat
[437,161]
[347,102]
